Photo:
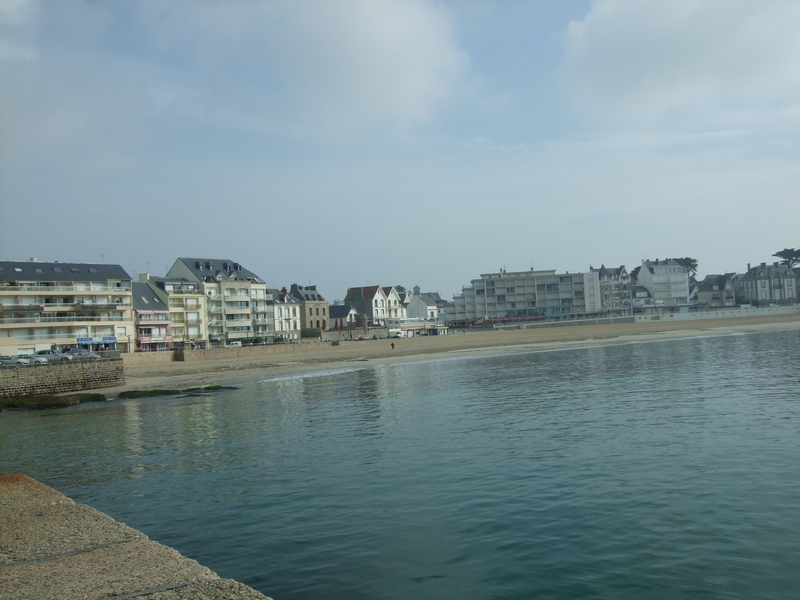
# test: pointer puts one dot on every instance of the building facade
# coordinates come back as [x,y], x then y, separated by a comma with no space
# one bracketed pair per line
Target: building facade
[314,313]
[616,296]
[770,284]
[287,313]
[53,305]
[237,298]
[667,282]
[151,316]
[188,311]
[370,302]
[521,296]
[716,291]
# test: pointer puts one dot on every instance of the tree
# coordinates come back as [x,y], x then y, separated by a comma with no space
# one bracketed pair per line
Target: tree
[689,264]
[789,257]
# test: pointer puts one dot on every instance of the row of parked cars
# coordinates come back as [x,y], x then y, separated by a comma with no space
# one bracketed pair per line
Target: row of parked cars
[46,357]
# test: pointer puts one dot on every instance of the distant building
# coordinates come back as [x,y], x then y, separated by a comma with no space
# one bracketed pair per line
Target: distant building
[370,302]
[526,296]
[314,307]
[287,312]
[343,316]
[716,291]
[667,282]
[151,314]
[188,311]
[615,289]
[56,305]
[237,298]
[770,284]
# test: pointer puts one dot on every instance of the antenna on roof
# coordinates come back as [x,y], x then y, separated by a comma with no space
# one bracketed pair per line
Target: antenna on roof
[102,258]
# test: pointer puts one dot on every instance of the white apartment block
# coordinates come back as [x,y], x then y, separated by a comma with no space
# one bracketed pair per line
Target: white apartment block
[54,305]
[526,295]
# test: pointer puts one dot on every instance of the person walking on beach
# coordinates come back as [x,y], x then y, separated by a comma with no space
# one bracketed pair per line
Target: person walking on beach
[392,345]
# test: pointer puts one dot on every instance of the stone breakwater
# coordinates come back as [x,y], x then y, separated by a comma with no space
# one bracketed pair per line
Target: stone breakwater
[54,549]
[58,379]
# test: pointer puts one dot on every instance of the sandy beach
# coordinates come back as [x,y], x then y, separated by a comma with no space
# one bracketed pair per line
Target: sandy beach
[320,357]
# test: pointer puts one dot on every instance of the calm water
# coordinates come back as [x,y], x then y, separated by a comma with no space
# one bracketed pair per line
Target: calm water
[652,470]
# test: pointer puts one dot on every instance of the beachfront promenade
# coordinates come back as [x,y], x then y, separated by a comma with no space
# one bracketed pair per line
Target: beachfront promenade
[54,549]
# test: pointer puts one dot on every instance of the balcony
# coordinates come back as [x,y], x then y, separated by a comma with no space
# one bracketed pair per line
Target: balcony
[65,288]
[76,319]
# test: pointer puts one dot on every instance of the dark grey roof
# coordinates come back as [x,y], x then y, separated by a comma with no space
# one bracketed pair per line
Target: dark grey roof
[219,269]
[340,311]
[61,271]
[149,297]
[707,285]
[306,293]
[765,271]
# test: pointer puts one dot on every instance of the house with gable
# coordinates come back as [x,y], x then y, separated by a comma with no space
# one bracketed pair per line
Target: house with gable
[151,316]
[717,291]
[616,294]
[343,316]
[395,309]
[666,281]
[370,302]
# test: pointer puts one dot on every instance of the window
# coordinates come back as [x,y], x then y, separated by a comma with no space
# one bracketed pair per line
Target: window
[56,269]
[145,300]
[17,269]
[317,314]
[92,270]
[39,271]
[74,270]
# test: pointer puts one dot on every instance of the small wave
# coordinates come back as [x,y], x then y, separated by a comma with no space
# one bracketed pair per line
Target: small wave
[307,375]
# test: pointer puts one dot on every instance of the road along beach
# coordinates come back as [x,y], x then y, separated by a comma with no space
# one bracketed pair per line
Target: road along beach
[246,365]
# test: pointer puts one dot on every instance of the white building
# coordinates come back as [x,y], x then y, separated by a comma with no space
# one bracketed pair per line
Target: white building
[666,280]
[526,296]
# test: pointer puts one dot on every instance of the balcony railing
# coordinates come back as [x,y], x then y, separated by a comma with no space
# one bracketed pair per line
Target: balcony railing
[63,288]
[17,320]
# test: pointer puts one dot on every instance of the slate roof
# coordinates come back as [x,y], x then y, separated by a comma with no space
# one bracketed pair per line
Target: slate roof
[219,269]
[306,293]
[359,293]
[61,271]
[148,297]
[340,311]
[708,283]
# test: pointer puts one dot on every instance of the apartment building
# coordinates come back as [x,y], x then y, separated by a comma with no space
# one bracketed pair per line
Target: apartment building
[56,305]
[666,280]
[151,316]
[188,314]
[526,296]
[314,313]
[237,301]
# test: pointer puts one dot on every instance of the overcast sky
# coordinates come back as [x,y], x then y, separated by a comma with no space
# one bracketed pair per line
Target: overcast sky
[408,142]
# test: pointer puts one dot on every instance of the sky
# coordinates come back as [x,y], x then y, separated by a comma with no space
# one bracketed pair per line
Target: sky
[408,142]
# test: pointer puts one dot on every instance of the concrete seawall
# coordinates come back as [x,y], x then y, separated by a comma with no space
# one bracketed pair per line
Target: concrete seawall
[54,549]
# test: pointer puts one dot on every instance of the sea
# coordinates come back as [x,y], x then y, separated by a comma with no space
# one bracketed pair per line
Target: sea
[659,469]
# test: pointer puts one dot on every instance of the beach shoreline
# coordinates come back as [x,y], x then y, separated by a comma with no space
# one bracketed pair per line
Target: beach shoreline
[325,358]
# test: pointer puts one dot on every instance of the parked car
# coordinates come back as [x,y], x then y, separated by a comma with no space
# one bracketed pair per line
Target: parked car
[54,355]
[36,360]
[81,354]
[14,360]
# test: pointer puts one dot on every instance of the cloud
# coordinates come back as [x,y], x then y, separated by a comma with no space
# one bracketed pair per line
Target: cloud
[640,60]
[308,67]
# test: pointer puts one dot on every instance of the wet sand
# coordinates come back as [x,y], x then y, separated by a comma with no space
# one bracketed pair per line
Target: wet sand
[321,357]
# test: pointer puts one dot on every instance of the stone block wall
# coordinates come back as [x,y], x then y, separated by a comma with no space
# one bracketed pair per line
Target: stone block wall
[56,379]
